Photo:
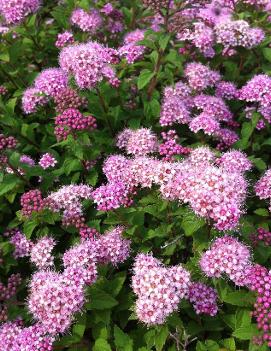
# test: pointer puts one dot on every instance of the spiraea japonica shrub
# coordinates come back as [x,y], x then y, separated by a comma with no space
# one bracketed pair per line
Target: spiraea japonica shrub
[135,178]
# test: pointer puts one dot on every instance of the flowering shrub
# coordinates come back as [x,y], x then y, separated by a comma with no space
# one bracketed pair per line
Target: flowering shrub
[135,175]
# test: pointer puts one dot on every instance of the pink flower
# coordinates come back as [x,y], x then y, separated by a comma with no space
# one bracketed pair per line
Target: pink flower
[47,161]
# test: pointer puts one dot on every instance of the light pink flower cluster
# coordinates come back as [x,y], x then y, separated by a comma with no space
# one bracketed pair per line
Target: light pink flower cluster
[200,112]
[234,161]
[22,245]
[159,289]
[89,22]
[89,63]
[263,187]
[227,256]
[231,34]
[14,11]
[48,83]
[215,193]
[200,77]
[64,39]
[257,91]
[53,300]
[56,297]
[203,298]
[27,160]
[71,121]
[138,142]
[47,160]
[41,253]
[130,49]
[15,337]
[213,23]
[68,201]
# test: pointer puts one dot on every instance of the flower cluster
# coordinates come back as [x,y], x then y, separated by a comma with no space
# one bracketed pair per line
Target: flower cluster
[47,160]
[262,235]
[64,39]
[68,98]
[68,200]
[263,187]
[72,121]
[32,201]
[170,148]
[22,245]
[138,142]
[15,11]
[48,83]
[89,63]
[130,49]
[201,111]
[41,253]
[260,282]
[159,289]
[203,298]
[7,142]
[257,91]
[89,22]
[227,256]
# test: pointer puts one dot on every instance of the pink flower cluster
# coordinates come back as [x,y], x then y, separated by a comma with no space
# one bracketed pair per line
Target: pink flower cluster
[7,142]
[15,337]
[22,245]
[260,282]
[200,112]
[257,91]
[170,148]
[41,253]
[47,160]
[159,289]
[27,160]
[68,200]
[131,50]
[49,83]
[71,121]
[203,298]
[215,193]
[227,256]
[68,98]
[89,63]
[64,39]
[137,142]
[54,297]
[89,22]
[262,235]
[31,201]
[14,11]
[6,293]
[213,23]
[263,187]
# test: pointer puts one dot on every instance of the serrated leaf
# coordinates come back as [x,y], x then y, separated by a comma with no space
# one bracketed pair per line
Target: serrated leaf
[122,340]
[101,345]
[100,300]
[144,78]
[245,333]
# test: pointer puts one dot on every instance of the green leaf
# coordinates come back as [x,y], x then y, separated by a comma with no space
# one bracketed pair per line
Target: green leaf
[262,212]
[100,300]
[122,340]
[80,327]
[246,333]
[8,184]
[101,345]
[191,223]
[267,53]
[240,298]
[163,41]
[144,78]
[29,227]
[161,338]
[229,344]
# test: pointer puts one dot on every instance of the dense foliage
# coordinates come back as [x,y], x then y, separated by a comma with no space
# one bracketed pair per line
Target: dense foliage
[134,184]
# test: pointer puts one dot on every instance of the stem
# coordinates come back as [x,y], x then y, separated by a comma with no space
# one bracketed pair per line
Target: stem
[105,108]
[9,77]
[153,82]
